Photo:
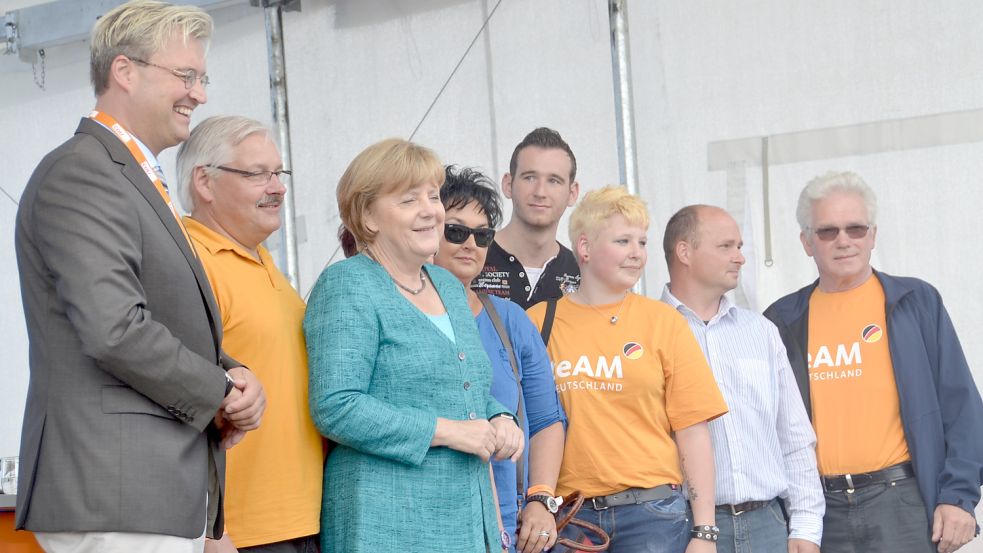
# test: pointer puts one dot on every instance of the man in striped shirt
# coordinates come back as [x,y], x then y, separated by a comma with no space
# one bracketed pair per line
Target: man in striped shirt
[768,493]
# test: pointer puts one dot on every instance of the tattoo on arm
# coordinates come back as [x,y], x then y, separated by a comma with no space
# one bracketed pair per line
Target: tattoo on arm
[693,495]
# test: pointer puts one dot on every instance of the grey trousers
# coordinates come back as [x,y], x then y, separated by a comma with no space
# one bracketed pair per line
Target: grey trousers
[882,518]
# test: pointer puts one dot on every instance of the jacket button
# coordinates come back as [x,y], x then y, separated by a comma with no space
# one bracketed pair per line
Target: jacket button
[467,385]
[472,416]
[461,356]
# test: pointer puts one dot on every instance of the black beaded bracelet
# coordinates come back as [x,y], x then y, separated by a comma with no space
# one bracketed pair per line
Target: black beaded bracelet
[705,532]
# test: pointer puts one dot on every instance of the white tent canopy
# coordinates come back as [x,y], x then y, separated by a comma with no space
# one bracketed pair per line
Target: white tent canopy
[891,89]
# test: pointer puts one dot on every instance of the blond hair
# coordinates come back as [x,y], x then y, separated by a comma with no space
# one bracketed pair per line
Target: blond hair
[139,29]
[393,165]
[597,207]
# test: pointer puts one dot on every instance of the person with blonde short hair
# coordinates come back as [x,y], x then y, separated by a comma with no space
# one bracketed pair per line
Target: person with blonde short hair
[636,389]
[399,378]
[131,400]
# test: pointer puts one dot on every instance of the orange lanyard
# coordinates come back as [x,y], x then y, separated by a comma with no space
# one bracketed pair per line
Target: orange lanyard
[131,144]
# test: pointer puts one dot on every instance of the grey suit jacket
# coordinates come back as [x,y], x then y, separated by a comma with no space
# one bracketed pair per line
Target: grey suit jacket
[125,357]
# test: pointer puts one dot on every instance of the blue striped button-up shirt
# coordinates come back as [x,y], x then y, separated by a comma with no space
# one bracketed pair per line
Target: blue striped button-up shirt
[765,446]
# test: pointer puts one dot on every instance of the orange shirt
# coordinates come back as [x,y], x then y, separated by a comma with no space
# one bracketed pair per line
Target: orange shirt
[273,477]
[855,407]
[625,389]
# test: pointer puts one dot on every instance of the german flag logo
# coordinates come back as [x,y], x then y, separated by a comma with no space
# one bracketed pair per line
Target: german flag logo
[633,350]
[871,333]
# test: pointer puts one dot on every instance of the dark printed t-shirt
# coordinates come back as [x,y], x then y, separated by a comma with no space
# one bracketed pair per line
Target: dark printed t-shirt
[505,277]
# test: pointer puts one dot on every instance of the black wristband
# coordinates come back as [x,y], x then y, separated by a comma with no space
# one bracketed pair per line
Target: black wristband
[705,532]
[504,415]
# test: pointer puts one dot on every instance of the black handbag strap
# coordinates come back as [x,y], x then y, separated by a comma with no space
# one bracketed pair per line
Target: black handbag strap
[548,321]
[503,335]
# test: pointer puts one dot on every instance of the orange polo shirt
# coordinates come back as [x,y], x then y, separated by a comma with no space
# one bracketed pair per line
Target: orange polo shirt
[274,475]
[855,407]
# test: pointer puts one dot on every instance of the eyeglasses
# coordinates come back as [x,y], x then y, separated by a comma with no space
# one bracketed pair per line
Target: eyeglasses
[458,234]
[189,76]
[258,177]
[827,234]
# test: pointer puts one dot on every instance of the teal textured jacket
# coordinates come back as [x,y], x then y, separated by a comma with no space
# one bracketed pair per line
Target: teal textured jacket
[380,374]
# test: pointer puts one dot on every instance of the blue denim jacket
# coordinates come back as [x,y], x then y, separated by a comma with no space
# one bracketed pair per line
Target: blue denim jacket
[941,408]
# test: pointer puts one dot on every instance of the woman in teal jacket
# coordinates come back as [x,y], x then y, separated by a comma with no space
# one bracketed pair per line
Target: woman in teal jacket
[399,377]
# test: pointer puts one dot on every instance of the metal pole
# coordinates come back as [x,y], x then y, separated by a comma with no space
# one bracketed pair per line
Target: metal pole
[623,104]
[281,120]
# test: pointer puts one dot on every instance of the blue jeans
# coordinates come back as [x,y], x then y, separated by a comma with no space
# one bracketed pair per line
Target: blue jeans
[660,526]
[762,530]
[881,518]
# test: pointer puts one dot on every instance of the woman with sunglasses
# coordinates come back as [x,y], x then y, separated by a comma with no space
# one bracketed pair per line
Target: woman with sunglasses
[399,377]
[472,212]
[637,390]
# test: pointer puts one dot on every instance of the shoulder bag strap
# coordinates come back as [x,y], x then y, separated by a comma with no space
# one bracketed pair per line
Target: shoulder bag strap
[503,335]
[548,321]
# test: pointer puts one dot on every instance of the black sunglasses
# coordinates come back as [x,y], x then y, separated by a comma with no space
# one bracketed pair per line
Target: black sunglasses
[458,234]
[827,234]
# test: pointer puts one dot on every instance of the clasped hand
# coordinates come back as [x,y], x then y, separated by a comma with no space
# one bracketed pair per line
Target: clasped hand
[241,410]
[500,438]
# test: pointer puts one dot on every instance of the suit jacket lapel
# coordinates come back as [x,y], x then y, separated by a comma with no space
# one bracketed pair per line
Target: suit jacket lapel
[133,173]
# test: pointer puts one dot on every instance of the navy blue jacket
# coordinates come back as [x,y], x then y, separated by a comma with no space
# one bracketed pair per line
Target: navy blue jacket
[941,408]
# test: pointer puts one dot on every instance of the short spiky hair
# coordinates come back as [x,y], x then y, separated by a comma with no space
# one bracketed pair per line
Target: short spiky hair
[593,212]
[547,139]
[138,29]
[466,185]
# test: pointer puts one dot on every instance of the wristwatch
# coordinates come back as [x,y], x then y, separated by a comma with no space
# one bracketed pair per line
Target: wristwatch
[229,384]
[552,503]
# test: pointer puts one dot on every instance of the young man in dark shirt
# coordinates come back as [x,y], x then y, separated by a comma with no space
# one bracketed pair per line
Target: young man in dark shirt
[525,263]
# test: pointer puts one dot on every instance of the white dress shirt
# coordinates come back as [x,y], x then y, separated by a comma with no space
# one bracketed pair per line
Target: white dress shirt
[764,447]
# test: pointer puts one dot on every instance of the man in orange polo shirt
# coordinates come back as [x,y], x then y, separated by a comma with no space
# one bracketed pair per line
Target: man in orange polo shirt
[897,415]
[232,178]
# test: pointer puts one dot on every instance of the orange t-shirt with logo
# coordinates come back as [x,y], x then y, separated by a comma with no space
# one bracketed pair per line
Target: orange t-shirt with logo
[855,407]
[625,389]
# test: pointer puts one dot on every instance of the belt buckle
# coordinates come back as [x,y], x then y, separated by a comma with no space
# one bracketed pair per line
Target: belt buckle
[735,512]
[594,504]
[849,483]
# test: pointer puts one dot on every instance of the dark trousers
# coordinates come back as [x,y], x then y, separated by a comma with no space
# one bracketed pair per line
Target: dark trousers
[307,544]
[880,518]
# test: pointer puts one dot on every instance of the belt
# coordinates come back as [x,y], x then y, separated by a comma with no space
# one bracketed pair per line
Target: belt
[850,482]
[631,496]
[741,508]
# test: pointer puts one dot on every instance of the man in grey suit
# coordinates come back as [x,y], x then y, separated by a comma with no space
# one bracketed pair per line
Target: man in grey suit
[131,399]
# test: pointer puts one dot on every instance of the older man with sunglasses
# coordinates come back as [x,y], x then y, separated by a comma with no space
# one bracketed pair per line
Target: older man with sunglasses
[896,412]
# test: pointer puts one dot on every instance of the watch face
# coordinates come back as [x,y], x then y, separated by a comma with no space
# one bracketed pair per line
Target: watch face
[551,505]
[506,540]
